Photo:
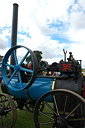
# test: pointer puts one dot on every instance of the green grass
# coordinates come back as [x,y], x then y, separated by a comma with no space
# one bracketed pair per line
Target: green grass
[24,119]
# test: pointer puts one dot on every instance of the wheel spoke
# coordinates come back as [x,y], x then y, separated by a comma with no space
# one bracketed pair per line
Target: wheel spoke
[4,101]
[45,123]
[8,104]
[6,122]
[15,56]
[72,111]
[55,103]
[10,114]
[50,108]
[9,65]
[7,119]
[24,58]
[19,75]
[65,104]
[1,121]
[8,110]
[46,115]
[26,70]
[12,76]
[1,102]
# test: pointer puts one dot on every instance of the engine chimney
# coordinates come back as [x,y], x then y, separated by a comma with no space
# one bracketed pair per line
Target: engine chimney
[14,31]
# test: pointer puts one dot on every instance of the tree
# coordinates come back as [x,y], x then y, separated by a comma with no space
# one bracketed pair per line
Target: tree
[39,57]
[43,63]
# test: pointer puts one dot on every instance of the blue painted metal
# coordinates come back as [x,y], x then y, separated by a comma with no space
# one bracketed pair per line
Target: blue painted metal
[40,87]
[36,90]
[16,86]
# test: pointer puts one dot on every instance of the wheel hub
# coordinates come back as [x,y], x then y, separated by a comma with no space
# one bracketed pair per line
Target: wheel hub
[17,67]
[2,112]
[61,122]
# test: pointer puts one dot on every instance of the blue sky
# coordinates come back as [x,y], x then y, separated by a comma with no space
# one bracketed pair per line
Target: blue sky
[46,25]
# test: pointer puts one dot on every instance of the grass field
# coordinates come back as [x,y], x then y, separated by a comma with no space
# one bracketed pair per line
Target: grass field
[24,119]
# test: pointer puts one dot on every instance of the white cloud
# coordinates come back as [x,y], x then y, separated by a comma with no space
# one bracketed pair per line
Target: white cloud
[3,42]
[38,20]
[5,13]
[78,20]
[82,3]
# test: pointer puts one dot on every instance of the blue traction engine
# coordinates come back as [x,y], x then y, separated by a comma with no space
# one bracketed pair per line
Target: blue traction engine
[56,98]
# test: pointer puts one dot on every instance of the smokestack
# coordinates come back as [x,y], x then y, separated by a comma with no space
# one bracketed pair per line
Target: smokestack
[14,30]
[14,25]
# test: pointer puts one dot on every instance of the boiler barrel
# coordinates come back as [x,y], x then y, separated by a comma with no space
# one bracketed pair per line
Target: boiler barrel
[36,90]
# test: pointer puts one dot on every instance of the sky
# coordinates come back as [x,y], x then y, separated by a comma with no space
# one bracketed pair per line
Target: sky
[46,25]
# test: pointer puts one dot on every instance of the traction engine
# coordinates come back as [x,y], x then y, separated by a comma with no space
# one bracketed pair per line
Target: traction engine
[57,100]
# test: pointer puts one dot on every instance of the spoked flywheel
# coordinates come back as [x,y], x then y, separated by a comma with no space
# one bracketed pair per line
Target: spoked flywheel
[22,75]
[8,113]
[63,109]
